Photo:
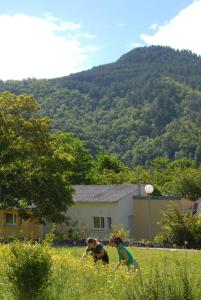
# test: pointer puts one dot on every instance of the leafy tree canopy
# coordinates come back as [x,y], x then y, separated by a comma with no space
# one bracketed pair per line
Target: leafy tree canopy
[33,170]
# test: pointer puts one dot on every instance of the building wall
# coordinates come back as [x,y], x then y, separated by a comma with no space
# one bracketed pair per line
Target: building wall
[126,209]
[139,216]
[83,213]
[22,228]
[120,212]
[125,214]
[147,214]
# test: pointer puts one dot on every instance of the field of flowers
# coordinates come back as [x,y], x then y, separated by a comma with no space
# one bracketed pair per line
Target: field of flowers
[168,275]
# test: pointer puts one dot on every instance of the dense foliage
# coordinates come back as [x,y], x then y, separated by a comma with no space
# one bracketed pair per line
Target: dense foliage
[146,104]
[180,177]
[34,171]
[29,268]
[180,229]
[38,167]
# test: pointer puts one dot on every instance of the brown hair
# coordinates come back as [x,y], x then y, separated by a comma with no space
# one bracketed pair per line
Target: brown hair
[90,240]
[117,240]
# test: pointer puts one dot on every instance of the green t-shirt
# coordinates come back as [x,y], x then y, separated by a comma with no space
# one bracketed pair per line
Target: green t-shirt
[122,257]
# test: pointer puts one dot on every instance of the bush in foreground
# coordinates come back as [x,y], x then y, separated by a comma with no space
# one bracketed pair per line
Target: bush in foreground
[29,268]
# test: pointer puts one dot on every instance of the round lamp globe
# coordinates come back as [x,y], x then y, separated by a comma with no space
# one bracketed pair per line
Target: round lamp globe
[149,188]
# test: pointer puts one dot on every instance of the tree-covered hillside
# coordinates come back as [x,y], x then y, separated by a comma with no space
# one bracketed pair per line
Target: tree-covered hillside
[146,104]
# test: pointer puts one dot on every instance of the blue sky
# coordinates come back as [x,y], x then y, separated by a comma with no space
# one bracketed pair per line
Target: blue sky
[55,38]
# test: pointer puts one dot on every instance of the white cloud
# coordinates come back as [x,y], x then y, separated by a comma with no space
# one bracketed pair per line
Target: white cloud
[41,48]
[154,26]
[89,36]
[79,35]
[68,26]
[181,32]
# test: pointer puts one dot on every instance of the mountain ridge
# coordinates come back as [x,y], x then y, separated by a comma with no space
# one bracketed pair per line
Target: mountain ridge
[145,104]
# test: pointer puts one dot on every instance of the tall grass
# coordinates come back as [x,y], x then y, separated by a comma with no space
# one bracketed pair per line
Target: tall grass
[165,275]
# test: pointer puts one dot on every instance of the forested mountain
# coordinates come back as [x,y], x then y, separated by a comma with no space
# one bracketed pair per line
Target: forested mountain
[146,104]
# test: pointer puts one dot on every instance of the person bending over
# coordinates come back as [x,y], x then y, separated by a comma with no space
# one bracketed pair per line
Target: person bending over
[125,255]
[97,250]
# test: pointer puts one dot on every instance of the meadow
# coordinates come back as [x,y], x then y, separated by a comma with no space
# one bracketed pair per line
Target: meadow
[168,275]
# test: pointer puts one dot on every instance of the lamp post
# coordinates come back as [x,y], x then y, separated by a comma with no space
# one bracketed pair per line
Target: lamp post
[149,190]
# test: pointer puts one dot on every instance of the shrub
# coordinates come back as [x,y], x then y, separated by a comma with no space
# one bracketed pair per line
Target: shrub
[28,269]
[77,233]
[73,233]
[61,236]
[179,229]
[119,231]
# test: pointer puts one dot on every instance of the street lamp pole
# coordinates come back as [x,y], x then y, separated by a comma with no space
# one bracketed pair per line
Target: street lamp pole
[149,190]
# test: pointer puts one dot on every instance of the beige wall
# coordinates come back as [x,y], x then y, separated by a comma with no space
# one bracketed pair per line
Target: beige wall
[139,216]
[84,212]
[22,228]
[121,213]
[125,209]
[147,213]
[124,213]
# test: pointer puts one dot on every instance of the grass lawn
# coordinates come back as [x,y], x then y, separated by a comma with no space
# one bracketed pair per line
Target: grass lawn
[168,275]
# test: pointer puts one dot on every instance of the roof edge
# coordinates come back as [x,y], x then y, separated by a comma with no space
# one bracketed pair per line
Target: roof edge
[157,197]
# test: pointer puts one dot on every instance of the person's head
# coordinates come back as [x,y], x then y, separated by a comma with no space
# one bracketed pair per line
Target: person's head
[92,243]
[115,241]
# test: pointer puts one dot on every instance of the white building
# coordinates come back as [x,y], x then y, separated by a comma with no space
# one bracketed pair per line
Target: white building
[100,207]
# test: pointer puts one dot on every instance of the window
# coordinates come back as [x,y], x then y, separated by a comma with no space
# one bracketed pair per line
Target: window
[11,219]
[99,222]
[109,222]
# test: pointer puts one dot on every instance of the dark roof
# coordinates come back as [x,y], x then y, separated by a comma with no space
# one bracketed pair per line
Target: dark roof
[103,193]
[197,207]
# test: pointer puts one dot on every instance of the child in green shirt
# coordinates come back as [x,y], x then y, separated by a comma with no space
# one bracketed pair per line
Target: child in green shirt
[124,254]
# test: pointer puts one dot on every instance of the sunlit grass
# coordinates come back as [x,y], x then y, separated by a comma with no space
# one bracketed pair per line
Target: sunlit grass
[165,275]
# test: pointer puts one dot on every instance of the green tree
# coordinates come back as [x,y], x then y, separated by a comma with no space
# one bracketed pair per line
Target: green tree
[110,162]
[187,184]
[33,172]
[108,169]
[81,163]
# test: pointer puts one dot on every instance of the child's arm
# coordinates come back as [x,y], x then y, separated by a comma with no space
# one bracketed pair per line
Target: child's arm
[87,251]
[85,254]
[123,252]
[119,264]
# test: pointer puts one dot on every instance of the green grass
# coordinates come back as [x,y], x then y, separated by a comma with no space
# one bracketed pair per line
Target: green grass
[168,275]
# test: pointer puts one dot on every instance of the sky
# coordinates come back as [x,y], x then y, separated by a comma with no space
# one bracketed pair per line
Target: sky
[48,38]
